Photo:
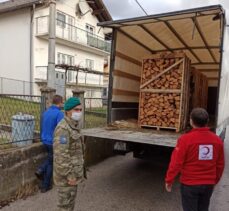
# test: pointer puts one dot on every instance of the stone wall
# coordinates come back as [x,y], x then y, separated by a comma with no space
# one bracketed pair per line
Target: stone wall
[17,166]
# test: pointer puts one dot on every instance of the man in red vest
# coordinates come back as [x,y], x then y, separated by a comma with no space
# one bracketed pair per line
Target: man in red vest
[199,159]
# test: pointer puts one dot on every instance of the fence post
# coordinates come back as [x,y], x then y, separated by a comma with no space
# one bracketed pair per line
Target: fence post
[23,87]
[48,94]
[2,86]
[80,94]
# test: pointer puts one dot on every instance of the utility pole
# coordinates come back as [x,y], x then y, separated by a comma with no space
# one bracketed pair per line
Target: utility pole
[52,43]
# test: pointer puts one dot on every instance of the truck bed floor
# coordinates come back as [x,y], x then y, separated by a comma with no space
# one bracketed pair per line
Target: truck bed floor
[144,136]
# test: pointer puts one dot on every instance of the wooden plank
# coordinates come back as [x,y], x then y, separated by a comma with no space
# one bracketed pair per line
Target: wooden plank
[162,73]
[152,137]
[165,55]
[212,78]
[125,92]
[128,58]
[123,74]
[185,110]
[136,41]
[198,27]
[156,38]
[182,93]
[178,91]
[160,127]
[177,35]
[209,70]
[200,92]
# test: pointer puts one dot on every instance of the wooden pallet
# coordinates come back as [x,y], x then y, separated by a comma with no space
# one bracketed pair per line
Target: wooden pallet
[160,128]
[164,98]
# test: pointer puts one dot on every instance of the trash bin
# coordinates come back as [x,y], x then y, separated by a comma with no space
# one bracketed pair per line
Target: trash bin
[22,129]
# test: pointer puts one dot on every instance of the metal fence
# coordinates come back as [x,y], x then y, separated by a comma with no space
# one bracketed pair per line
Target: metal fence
[13,86]
[95,112]
[20,119]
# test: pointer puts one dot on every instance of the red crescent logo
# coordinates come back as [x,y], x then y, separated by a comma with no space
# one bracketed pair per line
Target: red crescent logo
[207,152]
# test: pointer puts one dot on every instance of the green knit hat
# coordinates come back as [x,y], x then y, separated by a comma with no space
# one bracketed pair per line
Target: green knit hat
[71,103]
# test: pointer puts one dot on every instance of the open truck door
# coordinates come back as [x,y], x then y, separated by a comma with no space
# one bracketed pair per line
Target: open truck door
[200,33]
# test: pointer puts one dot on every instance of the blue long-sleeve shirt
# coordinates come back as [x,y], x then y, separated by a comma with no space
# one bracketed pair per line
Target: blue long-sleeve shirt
[50,118]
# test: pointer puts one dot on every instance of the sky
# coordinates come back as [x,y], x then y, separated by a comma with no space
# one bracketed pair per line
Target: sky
[120,9]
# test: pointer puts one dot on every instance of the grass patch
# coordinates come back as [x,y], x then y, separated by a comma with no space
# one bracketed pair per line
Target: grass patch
[98,110]
[10,106]
[4,144]
[92,121]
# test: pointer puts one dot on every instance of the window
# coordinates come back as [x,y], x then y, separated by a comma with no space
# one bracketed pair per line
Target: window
[58,58]
[65,59]
[68,60]
[61,19]
[90,28]
[104,94]
[90,64]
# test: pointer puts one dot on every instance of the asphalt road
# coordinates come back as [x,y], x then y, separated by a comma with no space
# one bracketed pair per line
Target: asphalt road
[118,183]
[122,183]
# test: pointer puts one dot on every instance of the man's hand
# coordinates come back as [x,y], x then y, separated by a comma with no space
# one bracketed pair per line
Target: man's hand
[72,182]
[168,187]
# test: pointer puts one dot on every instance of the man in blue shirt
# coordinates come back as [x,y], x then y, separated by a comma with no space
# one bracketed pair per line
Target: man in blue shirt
[50,118]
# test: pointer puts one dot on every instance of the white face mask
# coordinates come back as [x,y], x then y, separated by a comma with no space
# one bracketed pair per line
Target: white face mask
[77,116]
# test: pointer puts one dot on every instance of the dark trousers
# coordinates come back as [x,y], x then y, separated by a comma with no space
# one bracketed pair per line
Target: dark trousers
[47,167]
[196,197]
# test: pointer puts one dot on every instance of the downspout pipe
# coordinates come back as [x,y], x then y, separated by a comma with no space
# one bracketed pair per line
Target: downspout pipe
[31,50]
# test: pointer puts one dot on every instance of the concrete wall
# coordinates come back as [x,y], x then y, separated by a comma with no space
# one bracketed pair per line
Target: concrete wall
[17,167]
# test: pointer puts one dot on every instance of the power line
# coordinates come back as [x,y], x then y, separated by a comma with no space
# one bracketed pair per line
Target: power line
[141,7]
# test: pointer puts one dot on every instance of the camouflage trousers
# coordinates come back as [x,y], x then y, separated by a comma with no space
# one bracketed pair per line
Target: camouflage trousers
[66,198]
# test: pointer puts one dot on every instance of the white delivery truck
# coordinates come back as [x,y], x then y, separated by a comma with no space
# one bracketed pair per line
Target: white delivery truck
[201,33]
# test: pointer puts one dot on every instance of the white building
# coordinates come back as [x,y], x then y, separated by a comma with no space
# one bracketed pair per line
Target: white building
[24,45]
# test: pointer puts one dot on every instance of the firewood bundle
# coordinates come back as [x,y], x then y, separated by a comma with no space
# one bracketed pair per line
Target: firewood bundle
[160,110]
[199,89]
[164,91]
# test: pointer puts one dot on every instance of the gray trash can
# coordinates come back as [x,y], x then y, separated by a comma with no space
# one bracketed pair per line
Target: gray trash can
[22,129]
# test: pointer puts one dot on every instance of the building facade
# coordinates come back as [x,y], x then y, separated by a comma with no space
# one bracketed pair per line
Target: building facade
[80,42]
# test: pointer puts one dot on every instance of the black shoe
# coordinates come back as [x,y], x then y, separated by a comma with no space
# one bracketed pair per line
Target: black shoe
[44,190]
[39,175]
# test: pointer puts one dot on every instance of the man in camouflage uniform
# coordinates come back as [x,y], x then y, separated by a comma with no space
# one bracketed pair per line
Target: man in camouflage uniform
[68,155]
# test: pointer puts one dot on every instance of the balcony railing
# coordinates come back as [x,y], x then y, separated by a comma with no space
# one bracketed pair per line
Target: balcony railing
[41,74]
[72,33]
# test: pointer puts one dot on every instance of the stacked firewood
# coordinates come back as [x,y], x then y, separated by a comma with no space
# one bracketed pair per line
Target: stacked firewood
[160,110]
[164,91]
[169,80]
[199,89]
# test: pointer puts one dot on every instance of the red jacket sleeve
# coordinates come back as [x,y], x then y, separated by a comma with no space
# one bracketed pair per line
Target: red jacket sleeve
[220,163]
[177,160]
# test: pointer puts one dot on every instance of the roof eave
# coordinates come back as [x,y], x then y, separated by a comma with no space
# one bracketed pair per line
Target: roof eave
[104,15]
[10,6]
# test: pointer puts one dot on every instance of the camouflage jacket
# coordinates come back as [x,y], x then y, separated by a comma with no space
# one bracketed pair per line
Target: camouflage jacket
[68,150]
